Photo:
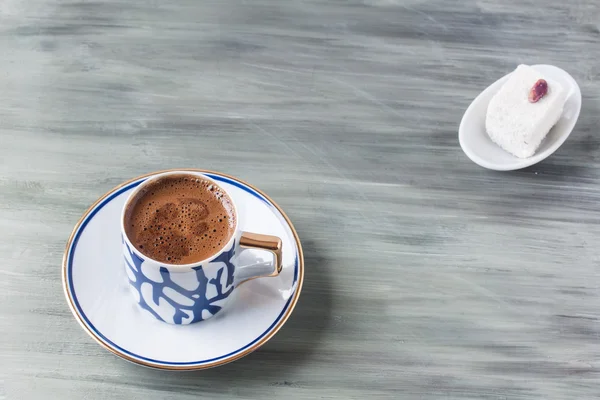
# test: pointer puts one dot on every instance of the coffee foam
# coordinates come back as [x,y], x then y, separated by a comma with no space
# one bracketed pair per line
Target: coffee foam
[180,219]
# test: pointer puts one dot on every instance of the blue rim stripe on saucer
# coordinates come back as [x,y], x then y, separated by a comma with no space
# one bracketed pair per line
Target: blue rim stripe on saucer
[118,349]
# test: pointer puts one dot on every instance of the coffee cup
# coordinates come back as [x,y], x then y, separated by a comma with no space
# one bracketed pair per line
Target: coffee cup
[186,293]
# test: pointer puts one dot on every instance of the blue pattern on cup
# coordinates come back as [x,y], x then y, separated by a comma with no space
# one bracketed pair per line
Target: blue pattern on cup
[161,294]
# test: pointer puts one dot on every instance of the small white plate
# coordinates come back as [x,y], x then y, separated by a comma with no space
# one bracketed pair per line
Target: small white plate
[97,291]
[479,147]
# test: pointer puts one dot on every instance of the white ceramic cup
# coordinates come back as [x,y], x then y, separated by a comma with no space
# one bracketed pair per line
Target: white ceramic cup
[183,294]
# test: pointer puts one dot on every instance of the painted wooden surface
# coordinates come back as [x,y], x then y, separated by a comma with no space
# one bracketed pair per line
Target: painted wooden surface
[427,276]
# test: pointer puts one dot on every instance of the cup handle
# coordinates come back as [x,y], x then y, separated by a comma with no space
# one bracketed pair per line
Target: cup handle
[262,242]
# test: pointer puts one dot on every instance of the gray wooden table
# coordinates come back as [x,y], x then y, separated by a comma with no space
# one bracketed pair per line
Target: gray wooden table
[426,276]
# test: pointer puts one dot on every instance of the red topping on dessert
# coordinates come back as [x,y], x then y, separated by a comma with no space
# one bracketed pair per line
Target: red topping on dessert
[538,91]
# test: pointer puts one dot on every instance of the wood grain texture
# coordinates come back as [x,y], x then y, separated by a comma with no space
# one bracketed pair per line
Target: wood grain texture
[427,276]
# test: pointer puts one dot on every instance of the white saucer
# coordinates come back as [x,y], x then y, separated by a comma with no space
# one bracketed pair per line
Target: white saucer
[96,288]
[478,146]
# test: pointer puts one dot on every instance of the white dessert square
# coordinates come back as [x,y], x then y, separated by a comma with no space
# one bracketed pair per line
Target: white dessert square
[516,124]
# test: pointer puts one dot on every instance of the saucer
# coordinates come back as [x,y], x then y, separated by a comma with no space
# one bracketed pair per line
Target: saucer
[478,146]
[96,287]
